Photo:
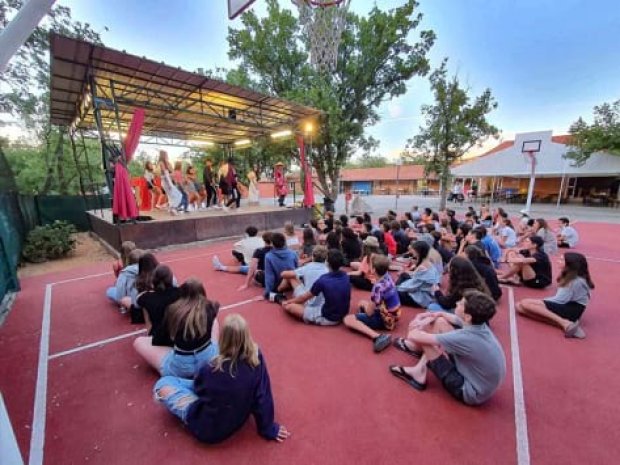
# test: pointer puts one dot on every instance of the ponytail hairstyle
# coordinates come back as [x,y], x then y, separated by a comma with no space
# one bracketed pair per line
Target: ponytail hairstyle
[146,267]
[575,266]
[193,314]
[162,278]
[422,249]
[464,276]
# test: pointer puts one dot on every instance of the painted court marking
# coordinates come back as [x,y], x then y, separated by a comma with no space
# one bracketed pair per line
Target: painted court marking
[523,445]
[37,439]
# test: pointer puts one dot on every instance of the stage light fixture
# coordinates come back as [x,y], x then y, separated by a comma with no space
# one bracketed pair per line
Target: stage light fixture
[243,142]
[280,134]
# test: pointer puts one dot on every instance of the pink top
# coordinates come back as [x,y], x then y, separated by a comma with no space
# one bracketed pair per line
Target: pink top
[177,177]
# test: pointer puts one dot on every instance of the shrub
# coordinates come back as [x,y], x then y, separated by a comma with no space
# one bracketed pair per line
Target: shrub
[49,242]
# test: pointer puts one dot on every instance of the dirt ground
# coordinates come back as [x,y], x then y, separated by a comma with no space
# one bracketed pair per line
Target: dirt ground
[87,251]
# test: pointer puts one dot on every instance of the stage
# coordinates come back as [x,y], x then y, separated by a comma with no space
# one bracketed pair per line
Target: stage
[165,230]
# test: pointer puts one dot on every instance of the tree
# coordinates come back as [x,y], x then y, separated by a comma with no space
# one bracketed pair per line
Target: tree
[601,136]
[376,58]
[25,90]
[453,125]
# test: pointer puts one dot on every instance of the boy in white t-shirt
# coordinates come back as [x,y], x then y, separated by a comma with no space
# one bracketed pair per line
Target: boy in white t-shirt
[302,278]
[568,236]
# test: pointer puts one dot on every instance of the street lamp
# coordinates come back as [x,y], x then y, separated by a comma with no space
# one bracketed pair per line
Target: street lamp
[399,162]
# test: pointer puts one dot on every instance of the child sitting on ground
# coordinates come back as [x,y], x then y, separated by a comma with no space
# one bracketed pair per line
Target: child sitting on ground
[383,310]
[309,243]
[336,290]
[568,236]
[123,261]
[125,283]
[469,362]
[302,279]
[292,241]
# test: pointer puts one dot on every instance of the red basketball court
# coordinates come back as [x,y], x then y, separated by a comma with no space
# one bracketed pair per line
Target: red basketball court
[77,393]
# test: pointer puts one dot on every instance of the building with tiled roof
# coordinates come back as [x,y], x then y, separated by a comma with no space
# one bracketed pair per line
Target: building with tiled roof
[505,170]
[405,179]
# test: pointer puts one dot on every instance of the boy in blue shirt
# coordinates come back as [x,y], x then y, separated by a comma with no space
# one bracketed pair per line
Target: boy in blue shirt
[383,312]
[336,290]
[279,259]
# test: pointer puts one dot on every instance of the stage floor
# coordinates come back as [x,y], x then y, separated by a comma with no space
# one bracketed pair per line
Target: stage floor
[183,228]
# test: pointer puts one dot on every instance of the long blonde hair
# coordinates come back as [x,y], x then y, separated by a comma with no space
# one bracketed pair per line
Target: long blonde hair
[193,313]
[236,344]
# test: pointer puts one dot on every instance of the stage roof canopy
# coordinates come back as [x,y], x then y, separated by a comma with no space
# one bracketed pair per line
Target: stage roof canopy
[178,104]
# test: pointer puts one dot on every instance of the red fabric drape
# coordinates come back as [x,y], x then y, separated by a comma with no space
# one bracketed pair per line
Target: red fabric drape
[308,188]
[133,135]
[124,203]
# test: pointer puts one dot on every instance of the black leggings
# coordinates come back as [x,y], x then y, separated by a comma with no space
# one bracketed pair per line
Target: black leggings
[235,197]
[211,195]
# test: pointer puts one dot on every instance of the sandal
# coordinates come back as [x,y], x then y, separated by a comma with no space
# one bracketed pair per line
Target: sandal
[400,373]
[401,345]
[509,282]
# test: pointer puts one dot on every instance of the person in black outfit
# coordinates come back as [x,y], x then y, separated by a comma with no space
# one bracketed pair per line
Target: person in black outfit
[154,304]
[231,180]
[351,246]
[207,178]
[484,267]
[531,266]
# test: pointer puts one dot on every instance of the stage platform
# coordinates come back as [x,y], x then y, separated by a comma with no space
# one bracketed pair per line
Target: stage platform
[165,230]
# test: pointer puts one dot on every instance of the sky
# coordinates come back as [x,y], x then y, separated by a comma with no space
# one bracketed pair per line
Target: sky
[547,62]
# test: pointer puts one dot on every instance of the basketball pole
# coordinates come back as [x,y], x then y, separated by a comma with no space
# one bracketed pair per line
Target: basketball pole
[530,191]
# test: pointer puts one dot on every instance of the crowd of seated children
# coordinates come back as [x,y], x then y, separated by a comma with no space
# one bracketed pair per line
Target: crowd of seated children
[566,307]
[335,288]
[382,312]
[191,324]
[468,360]
[568,236]
[225,392]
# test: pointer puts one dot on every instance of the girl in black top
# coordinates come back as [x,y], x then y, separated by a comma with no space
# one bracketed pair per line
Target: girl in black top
[191,323]
[351,246]
[463,277]
[483,266]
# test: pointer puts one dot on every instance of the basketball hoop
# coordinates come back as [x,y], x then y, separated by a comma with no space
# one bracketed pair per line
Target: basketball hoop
[529,149]
[323,22]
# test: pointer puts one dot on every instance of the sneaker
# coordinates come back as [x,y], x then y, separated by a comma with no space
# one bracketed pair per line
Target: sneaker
[382,342]
[279,298]
[574,331]
[217,264]
[122,310]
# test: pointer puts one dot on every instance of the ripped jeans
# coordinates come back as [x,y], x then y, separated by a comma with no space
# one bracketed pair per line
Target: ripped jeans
[182,396]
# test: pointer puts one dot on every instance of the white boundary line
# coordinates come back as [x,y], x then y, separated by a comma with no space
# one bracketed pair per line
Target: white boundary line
[610,260]
[95,344]
[37,440]
[120,337]
[523,445]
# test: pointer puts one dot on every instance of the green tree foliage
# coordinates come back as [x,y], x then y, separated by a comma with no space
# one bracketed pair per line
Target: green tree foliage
[376,58]
[453,125]
[601,136]
[24,95]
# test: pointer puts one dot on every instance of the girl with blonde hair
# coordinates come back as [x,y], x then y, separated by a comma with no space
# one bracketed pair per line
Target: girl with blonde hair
[224,393]
[175,197]
[191,322]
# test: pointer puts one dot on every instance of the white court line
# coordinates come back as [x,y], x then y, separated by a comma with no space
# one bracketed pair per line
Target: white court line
[523,445]
[610,260]
[96,344]
[98,275]
[134,333]
[37,440]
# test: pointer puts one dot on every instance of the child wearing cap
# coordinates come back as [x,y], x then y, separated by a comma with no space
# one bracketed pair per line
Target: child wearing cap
[383,310]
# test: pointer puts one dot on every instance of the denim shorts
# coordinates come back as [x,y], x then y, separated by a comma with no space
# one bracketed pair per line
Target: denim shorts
[373,321]
[179,401]
[186,366]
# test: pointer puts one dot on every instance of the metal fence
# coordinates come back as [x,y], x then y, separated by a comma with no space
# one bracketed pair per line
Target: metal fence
[20,213]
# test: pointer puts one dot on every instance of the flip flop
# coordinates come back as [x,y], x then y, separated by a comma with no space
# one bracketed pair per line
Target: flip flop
[400,373]
[400,344]
[509,282]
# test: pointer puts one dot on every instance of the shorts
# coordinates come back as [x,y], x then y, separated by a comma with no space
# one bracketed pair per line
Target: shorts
[259,278]
[570,311]
[313,315]
[536,283]
[187,365]
[373,321]
[452,381]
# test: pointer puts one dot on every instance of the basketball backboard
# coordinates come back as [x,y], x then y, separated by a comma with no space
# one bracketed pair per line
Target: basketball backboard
[531,146]
[236,7]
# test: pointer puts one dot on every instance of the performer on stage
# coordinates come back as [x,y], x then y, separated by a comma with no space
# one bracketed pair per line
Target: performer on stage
[209,182]
[253,194]
[280,182]
[232,179]
[175,198]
